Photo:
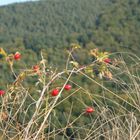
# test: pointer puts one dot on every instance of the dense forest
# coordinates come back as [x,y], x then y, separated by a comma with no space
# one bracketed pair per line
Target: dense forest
[111,24]
[50,27]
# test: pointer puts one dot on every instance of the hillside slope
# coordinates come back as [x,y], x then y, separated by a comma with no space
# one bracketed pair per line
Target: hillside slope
[49,23]
[111,23]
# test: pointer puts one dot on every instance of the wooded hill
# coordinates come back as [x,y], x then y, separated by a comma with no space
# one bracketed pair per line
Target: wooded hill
[111,24]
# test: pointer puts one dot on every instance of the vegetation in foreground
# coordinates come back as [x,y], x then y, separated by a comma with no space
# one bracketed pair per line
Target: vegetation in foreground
[58,107]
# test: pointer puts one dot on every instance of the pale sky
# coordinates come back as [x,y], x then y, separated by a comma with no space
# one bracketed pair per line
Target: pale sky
[5,2]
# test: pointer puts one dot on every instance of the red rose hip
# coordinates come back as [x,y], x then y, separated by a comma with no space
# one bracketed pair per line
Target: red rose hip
[55,92]
[2,92]
[67,87]
[36,68]
[17,56]
[89,110]
[107,60]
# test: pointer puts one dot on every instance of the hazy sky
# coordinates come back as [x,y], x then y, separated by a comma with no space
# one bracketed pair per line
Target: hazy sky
[5,2]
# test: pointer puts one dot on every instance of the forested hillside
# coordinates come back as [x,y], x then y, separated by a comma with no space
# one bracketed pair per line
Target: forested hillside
[55,24]
[50,23]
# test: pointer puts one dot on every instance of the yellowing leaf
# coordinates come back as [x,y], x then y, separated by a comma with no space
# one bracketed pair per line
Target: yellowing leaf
[2,53]
[75,64]
[94,52]
[89,70]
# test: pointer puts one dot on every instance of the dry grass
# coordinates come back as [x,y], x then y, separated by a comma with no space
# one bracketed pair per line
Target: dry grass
[25,116]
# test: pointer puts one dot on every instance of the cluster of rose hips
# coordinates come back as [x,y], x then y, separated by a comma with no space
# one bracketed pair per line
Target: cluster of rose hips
[68,87]
[16,56]
[54,92]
